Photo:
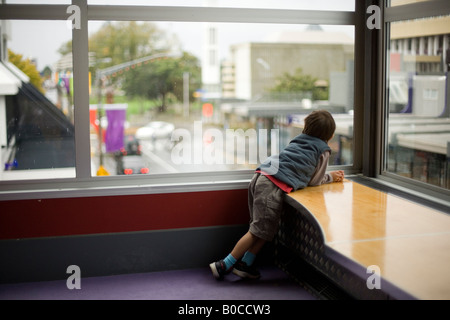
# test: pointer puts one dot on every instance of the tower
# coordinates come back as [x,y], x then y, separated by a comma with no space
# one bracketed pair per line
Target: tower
[210,58]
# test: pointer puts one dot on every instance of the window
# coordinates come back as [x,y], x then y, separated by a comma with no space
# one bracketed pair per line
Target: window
[417,105]
[136,105]
[38,138]
[212,36]
[174,110]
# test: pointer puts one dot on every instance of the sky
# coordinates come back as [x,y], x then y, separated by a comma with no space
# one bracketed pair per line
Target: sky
[40,40]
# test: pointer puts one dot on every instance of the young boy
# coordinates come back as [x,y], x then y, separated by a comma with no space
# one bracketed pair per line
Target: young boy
[302,163]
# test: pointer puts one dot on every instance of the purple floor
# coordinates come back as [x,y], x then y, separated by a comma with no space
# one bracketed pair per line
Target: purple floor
[191,284]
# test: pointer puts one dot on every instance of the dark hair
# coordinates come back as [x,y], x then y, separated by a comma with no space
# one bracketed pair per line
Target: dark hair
[320,124]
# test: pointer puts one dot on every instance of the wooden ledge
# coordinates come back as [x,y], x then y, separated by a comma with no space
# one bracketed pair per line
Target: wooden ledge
[410,243]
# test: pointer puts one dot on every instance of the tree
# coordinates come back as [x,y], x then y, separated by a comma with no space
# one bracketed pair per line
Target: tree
[162,77]
[125,41]
[118,42]
[27,67]
[299,82]
[65,48]
[190,64]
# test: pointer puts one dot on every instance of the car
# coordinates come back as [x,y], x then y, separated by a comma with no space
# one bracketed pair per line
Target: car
[131,146]
[155,130]
[133,164]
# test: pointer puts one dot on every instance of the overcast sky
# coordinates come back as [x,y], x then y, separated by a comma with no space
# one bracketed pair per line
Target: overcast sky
[41,39]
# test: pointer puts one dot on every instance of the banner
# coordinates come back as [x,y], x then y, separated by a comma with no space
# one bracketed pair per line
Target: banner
[114,135]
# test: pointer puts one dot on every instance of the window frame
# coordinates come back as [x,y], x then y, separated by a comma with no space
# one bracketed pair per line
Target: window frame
[86,185]
[393,14]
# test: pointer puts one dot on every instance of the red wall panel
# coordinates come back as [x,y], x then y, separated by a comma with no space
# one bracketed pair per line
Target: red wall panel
[108,214]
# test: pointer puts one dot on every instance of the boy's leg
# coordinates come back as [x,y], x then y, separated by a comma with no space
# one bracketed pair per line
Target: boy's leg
[222,267]
[248,242]
[251,253]
[266,207]
[244,268]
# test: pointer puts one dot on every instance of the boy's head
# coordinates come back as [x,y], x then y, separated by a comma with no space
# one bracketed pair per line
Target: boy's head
[320,124]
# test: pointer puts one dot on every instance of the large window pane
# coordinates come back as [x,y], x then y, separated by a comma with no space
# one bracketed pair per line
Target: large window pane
[418,127]
[209,97]
[35,101]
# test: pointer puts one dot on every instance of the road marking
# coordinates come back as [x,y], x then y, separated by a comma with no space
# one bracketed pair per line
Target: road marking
[146,151]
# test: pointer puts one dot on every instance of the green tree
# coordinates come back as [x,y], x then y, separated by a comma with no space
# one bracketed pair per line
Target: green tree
[163,77]
[125,41]
[300,82]
[190,64]
[27,67]
[118,42]
[65,48]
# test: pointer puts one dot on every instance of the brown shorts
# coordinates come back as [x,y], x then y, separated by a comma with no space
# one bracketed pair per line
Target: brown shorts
[265,201]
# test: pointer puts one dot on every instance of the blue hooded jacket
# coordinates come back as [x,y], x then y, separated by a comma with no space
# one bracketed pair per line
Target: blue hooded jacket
[296,164]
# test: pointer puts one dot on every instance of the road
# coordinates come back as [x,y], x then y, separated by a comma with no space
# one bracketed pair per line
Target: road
[198,149]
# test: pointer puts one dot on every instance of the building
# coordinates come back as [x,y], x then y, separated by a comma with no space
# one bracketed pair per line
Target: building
[210,59]
[257,66]
[421,44]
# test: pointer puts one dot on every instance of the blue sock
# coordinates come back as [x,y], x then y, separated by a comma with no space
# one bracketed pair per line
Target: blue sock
[248,258]
[229,261]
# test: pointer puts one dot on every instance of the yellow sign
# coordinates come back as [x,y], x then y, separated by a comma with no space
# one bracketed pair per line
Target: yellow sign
[102,171]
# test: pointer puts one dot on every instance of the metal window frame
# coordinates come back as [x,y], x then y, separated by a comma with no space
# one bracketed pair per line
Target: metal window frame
[83,184]
[393,14]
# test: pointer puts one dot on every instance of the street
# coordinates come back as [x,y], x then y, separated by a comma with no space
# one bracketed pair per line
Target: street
[196,149]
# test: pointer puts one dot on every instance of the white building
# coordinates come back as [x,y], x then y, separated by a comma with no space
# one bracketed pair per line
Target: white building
[258,65]
[210,59]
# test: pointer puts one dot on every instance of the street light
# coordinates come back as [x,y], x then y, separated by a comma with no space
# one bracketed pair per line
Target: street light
[101,169]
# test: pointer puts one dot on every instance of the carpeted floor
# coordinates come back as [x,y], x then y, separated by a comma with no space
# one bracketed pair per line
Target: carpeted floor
[191,284]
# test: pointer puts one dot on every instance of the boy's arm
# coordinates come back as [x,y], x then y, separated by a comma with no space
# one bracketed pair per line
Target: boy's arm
[320,176]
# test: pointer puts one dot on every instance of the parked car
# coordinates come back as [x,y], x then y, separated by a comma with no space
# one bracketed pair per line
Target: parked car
[131,146]
[133,164]
[155,130]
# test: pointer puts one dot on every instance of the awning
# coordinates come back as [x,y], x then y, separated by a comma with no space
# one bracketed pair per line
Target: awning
[9,83]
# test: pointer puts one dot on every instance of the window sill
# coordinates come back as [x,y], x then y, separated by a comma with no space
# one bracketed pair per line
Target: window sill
[410,190]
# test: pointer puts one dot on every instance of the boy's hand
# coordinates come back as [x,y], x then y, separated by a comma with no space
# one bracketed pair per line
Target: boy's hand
[337,176]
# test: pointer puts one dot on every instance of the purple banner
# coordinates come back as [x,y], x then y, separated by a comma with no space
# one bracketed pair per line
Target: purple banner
[115,130]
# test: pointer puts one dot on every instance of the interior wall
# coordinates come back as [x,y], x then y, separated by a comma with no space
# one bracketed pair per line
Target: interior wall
[118,234]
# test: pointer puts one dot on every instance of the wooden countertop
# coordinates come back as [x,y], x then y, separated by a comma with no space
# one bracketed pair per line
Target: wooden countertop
[410,243]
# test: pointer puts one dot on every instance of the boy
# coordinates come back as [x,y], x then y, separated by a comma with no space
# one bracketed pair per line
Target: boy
[302,163]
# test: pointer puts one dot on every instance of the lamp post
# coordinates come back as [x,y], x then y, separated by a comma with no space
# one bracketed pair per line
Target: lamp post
[99,78]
